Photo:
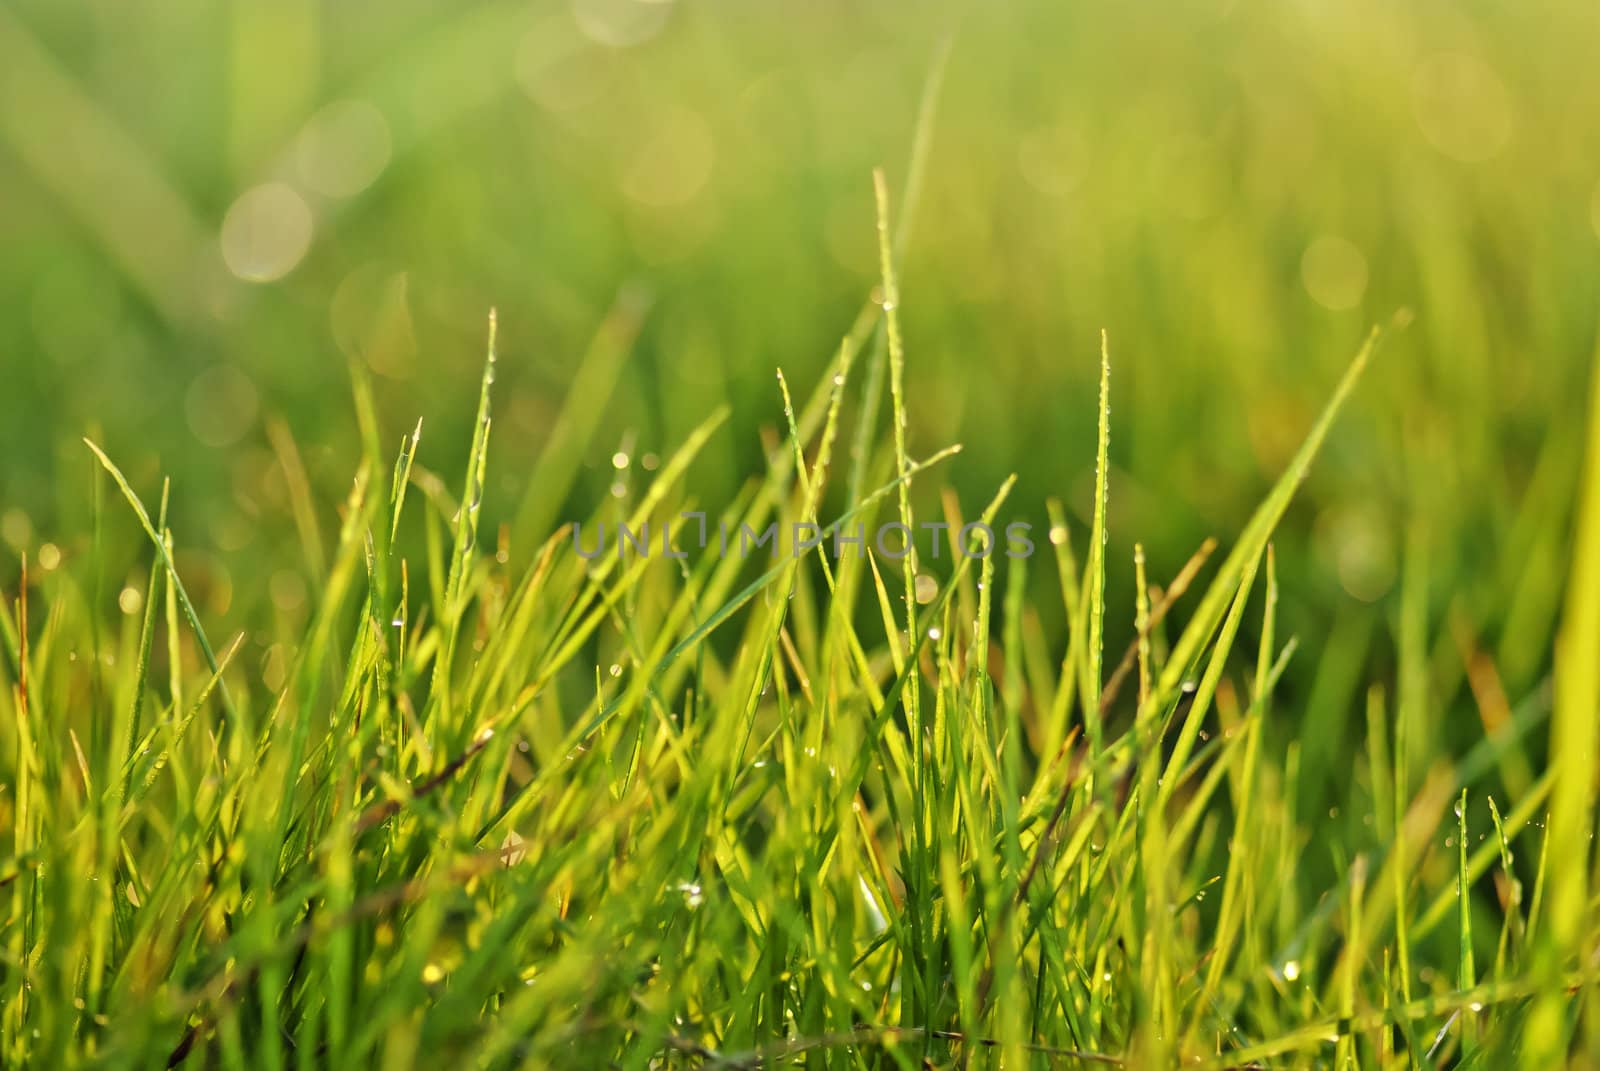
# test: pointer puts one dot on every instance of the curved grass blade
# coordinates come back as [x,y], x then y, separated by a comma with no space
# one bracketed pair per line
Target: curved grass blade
[165,558]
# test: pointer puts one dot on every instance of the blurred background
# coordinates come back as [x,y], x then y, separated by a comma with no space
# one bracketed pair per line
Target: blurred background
[209,210]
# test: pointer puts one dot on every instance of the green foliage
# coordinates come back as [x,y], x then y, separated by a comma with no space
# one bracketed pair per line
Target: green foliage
[858,844]
[300,770]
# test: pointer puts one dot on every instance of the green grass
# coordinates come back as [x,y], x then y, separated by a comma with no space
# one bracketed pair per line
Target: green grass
[643,811]
[320,746]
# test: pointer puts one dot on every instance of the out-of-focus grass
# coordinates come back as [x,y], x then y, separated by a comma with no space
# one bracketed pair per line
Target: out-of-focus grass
[1204,179]
[215,219]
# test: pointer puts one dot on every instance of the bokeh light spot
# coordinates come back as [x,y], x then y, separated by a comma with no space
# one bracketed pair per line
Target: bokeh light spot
[672,162]
[621,23]
[562,79]
[15,528]
[266,233]
[1356,542]
[1334,272]
[221,405]
[1461,106]
[287,589]
[275,668]
[344,148]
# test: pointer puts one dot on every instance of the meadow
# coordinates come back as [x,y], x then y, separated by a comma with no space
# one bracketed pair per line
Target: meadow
[1229,366]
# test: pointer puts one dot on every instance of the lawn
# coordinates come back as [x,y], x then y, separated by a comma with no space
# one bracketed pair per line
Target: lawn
[629,533]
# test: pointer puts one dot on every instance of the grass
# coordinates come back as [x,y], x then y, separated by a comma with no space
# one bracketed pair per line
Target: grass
[839,809]
[322,746]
